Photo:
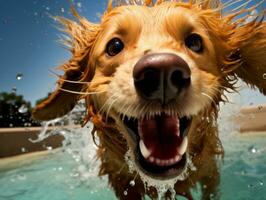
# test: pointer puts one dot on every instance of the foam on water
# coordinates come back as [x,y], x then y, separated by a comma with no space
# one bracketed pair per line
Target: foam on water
[162,186]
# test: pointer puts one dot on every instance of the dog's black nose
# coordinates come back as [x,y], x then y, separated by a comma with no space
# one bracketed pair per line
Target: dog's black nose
[161,76]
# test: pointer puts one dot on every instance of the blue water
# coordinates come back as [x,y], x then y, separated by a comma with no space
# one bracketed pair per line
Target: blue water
[58,176]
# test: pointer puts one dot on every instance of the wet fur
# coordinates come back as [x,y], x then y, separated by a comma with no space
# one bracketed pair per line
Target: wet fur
[233,51]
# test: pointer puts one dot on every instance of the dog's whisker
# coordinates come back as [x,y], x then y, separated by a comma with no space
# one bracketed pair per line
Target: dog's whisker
[208,96]
[242,6]
[231,4]
[82,93]
[105,103]
[137,108]
[132,182]
[142,110]
[126,112]
[228,2]
[121,169]
[109,108]
[66,80]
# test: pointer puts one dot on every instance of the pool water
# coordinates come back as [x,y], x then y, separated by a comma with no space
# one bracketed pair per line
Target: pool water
[63,175]
[52,178]
[70,173]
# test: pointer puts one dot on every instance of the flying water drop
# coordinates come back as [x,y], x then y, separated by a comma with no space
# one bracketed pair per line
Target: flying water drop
[23,108]
[125,192]
[253,150]
[19,76]
[132,183]
[14,89]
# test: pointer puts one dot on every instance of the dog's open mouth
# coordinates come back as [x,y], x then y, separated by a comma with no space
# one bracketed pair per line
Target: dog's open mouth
[161,144]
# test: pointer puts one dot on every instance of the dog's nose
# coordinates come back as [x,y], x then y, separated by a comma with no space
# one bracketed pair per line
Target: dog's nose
[161,76]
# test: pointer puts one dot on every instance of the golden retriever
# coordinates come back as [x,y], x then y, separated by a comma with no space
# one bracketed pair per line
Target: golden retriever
[153,74]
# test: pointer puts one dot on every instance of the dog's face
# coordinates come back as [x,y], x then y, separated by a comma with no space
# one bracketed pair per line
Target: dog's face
[154,71]
[158,70]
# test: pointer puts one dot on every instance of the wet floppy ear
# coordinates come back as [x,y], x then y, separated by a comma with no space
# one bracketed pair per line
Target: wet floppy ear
[252,52]
[81,37]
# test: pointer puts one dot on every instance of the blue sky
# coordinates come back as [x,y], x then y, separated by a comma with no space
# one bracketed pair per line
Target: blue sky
[28,43]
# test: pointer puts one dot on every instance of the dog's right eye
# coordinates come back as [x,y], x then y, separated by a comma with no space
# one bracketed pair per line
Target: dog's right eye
[114,47]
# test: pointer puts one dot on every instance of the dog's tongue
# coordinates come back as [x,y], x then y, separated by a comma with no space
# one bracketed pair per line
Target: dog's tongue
[160,136]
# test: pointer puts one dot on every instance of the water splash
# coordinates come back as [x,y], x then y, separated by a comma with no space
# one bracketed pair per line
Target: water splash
[162,186]
[78,144]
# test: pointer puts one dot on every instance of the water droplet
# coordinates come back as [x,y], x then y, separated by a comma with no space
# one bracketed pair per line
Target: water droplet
[23,150]
[19,76]
[132,183]
[21,177]
[10,125]
[47,8]
[23,108]
[79,4]
[243,172]
[261,182]
[264,76]
[125,192]
[253,150]
[62,10]
[26,124]
[250,186]
[204,186]
[49,148]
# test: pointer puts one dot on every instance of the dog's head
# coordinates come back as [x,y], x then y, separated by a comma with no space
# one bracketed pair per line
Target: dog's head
[154,71]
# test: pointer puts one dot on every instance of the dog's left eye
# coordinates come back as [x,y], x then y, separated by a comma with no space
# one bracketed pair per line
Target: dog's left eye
[114,47]
[194,42]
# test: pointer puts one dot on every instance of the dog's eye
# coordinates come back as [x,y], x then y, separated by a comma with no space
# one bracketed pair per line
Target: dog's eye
[114,47]
[194,42]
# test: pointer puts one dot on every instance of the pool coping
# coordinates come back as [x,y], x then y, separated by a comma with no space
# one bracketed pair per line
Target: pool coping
[24,159]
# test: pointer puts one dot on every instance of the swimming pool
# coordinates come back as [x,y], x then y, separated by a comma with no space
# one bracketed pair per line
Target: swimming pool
[68,175]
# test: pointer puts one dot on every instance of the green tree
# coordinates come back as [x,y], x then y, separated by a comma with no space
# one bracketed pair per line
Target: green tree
[15,111]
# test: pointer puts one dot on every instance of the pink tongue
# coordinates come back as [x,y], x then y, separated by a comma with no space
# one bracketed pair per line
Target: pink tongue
[161,136]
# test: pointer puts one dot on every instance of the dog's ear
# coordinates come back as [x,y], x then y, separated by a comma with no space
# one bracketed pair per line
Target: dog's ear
[81,38]
[252,53]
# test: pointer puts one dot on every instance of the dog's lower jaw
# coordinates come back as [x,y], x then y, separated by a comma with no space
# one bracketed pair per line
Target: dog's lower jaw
[113,147]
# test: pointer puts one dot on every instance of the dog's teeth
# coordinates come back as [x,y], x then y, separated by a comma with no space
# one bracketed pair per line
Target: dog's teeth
[183,147]
[143,149]
[158,161]
[151,159]
[177,158]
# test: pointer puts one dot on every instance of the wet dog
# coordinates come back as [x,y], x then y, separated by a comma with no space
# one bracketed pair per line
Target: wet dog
[153,75]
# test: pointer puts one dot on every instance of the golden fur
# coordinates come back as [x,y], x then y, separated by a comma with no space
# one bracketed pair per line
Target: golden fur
[233,50]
